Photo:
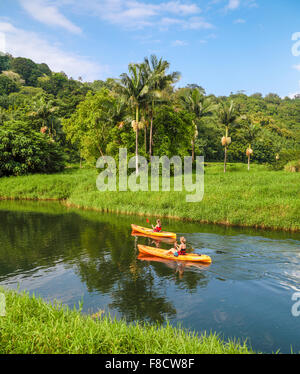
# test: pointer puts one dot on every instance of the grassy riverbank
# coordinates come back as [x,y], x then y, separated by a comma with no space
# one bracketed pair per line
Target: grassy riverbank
[259,198]
[33,326]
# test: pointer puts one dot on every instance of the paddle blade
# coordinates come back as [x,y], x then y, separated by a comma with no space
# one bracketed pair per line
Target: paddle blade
[147,220]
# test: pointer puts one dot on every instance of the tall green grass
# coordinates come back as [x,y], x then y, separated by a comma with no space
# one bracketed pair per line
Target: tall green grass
[259,198]
[32,326]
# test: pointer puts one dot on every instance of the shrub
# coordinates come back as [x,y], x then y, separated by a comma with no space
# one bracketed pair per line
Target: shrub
[7,85]
[24,151]
[285,157]
[293,166]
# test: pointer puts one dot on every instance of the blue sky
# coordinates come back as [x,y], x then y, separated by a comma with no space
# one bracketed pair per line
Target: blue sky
[223,45]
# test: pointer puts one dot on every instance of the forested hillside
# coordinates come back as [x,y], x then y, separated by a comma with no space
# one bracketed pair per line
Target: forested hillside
[48,119]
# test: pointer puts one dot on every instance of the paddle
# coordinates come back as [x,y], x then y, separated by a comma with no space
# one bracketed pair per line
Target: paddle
[147,220]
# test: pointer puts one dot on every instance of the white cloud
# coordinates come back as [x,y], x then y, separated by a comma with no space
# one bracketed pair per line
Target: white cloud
[233,4]
[137,14]
[146,39]
[239,20]
[180,8]
[193,23]
[297,67]
[179,43]
[251,4]
[167,21]
[22,43]
[196,23]
[293,95]
[129,14]
[42,11]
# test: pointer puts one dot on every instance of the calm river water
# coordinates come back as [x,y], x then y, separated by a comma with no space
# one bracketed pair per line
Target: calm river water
[82,256]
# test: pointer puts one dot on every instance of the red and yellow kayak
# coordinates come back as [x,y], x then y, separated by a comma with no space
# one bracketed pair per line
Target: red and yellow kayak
[150,232]
[192,257]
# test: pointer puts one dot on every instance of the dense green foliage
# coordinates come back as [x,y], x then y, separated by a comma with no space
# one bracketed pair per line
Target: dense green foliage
[144,112]
[91,125]
[23,151]
[180,125]
[7,85]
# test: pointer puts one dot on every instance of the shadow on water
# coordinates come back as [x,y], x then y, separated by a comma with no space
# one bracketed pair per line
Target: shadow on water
[74,255]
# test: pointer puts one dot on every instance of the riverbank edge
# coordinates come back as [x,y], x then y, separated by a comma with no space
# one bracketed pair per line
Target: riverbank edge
[33,326]
[147,214]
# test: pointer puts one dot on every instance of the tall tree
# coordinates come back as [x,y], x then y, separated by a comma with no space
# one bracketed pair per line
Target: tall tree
[194,101]
[43,111]
[227,114]
[250,130]
[4,62]
[27,69]
[134,86]
[155,71]
[90,126]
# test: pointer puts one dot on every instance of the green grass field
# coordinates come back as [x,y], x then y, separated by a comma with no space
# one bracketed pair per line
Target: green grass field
[259,198]
[32,326]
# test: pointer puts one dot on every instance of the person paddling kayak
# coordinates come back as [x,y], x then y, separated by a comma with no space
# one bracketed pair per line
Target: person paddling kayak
[157,228]
[178,250]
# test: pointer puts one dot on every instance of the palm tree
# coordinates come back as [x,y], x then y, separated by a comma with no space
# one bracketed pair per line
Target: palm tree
[134,87]
[155,71]
[249,131]
[43,111]
[227,114]
[195,102]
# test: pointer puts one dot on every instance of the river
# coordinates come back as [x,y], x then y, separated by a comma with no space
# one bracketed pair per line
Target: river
[91,259]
